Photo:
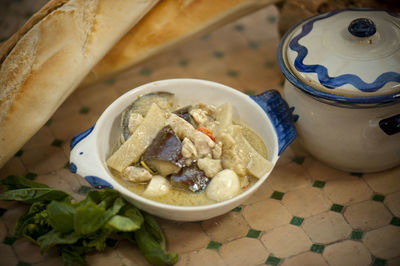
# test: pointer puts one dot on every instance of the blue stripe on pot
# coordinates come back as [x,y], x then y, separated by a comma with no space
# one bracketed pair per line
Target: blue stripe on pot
[97,182]
[75,140]
[322,71]
[280,116]
[329,98]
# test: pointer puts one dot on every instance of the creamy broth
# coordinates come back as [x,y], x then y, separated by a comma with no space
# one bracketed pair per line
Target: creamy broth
[186,198]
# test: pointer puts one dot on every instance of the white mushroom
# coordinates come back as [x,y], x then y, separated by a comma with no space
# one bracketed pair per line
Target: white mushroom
[210,166]
[136,174]
[200,116]
[223,186]
[158,186]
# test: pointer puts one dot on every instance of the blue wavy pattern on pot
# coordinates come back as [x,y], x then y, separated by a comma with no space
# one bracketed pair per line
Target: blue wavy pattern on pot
[332,82]
[77,138]
[280,115]
[322,72]
[97,182]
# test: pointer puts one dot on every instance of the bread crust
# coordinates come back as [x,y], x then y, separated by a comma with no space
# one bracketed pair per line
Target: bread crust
[47,59]
[168,24]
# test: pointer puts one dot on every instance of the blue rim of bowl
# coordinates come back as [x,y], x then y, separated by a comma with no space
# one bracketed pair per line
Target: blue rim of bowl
[375,100]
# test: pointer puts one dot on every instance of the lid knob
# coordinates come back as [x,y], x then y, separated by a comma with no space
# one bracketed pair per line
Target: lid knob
[362,27]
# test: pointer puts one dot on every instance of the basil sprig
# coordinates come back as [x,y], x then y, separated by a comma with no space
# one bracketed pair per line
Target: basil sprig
[54,219]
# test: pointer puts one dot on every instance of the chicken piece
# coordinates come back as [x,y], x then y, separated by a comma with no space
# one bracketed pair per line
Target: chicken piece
[188,149]
[210,166]
[223,186]
[183,129]
[217,150]
[157,187]
[199,116]
[136,174]
[134,121]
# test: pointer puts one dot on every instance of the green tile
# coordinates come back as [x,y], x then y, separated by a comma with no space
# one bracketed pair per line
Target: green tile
[145,72]
[237,209]
[233,73]
[83,190]
[239,27]
[298,159]
[271,260]
[31,176]
[250,92]
[19,153]
[337,208]
[49,122]
[319,184]
[57,143]
[22,263]
[253,45]
[253,233]
[271,19]
[29,14]
[378,197]
[356,235]
[317,248]
[357,174]
[110,81]
[9,240]
[296,221]
[269,64]
[84,110]
[205,37]
[214,245]
[277,195]
[379,262]
[183,62]
[2,211]
[395,221]
[218,54]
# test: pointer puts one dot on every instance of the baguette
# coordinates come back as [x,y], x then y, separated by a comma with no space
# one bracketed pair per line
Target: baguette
[168,24]
[48,58]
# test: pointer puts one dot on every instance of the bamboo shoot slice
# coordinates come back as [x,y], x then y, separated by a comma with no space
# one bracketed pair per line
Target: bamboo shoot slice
[133,148]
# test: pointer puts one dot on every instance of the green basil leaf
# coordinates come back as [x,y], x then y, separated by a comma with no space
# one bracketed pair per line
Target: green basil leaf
[31,195]
[122,223]
[54,237]
[73,255]
[61,216]
[133,213]
[88,218]
[13,182]
[153,228]
[152,250]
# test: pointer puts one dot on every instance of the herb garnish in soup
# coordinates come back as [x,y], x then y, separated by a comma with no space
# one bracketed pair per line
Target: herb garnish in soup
[190,155]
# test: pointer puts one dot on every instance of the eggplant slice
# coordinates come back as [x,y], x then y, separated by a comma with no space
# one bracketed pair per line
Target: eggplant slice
[184,113]
[164,155]
[164,100]
[190,178]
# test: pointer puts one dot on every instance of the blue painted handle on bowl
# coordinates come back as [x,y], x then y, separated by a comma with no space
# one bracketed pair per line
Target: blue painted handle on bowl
[280,115]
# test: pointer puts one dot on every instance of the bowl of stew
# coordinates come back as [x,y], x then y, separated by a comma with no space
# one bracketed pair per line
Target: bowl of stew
[184,149]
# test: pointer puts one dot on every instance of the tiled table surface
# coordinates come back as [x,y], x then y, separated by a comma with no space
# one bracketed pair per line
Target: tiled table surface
[305,214]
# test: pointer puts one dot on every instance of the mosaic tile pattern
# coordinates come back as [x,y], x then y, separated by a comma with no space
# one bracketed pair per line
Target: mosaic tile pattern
[305,214]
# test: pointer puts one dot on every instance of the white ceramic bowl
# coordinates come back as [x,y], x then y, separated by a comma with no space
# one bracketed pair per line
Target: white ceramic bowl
[266,113]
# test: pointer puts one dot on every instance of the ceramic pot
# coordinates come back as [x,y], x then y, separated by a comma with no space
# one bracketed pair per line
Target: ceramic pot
[266,113]
[342,72]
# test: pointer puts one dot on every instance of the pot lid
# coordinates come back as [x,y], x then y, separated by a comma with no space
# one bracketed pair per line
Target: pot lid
[345,55]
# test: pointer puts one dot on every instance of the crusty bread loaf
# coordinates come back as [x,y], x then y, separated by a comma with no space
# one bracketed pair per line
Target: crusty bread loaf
[48,58]
[168,24]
